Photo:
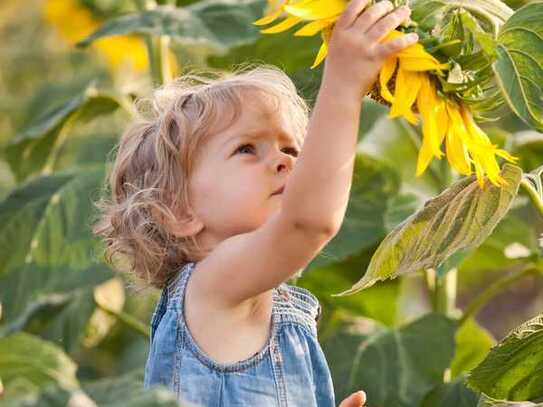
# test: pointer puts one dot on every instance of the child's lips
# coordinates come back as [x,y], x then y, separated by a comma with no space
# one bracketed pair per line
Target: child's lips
[279,191]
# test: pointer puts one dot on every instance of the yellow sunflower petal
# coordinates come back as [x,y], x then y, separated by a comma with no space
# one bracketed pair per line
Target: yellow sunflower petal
[457,152]
[504,154]
[312,28]
[479,172]
[284,25]
[316,9]
[483,151]
[323,51]
[434,115]
[405,93]
[387,70]
[269,18]
[425,155]
[421,64]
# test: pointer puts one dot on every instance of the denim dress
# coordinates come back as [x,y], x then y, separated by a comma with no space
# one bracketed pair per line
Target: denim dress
[290,370]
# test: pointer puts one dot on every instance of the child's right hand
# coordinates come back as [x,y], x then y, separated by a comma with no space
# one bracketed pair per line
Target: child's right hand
[355,54]
[354,400]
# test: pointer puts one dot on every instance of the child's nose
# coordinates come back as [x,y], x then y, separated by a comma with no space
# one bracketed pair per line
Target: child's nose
[283,162]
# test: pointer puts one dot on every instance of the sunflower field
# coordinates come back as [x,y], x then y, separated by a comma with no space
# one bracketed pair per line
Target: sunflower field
[432,290]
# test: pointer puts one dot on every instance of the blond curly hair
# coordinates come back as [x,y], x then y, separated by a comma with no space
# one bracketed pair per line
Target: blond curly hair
[147,189]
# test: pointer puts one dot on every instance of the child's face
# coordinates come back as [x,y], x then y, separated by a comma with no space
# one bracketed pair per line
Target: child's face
[235,175]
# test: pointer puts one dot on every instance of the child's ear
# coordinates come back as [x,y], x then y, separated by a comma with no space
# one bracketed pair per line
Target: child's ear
[189,225]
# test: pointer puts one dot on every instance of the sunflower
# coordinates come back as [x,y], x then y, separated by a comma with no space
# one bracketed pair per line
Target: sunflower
[413,70]
[75,22]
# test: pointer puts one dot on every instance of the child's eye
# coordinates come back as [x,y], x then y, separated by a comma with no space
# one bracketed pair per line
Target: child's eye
[293,151]
[242,147]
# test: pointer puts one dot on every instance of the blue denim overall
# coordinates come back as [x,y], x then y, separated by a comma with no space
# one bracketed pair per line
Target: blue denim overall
[290,370]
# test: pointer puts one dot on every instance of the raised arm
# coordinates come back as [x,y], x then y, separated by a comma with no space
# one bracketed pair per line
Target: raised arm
[323,174]
[317,191]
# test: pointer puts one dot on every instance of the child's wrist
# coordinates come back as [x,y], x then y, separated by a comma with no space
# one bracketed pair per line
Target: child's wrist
[343,91]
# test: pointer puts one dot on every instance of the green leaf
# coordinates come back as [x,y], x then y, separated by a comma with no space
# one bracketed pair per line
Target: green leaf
[489,402]
[400,207]
[460,218]
[215,24]
[453,394]
[49,257]
[512,370]
[30,150]
[47,220]
[28,364]
[473,343]
[395,367]
[519,67]
[379,302]
[126,390]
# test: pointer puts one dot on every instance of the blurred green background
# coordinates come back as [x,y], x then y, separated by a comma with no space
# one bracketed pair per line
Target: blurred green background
[53,283]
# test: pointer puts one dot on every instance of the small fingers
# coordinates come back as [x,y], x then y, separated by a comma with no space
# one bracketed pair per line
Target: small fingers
[379,30]
[373,14]
[391,47]
[351,12]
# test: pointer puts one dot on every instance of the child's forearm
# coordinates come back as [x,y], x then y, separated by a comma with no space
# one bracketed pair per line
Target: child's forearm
[318,188]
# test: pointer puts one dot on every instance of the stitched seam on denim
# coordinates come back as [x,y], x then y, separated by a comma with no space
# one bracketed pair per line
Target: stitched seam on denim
[277,368]
[310,312]
[220,401]
[177,359]
[294,309]
[303,293]
[158,314]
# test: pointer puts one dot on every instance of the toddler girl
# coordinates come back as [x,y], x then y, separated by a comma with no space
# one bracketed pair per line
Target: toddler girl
[219,198]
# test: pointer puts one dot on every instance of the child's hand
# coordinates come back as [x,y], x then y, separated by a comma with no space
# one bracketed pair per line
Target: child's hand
[355,55]
[354,400]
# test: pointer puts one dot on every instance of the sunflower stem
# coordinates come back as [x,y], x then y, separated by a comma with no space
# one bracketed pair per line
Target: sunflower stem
[532,194]
[126,319]
[443,291]
[157,49]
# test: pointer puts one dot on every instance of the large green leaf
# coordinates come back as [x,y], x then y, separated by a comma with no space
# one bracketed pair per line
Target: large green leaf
[395,367]
[126,390]
[215,24]
[512,370]
[486,401]
[30,150]
[460,218]
[519,67]
[47,220]
[453,394]
[28,364]
[473,342]
[49,256]
[378,302]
